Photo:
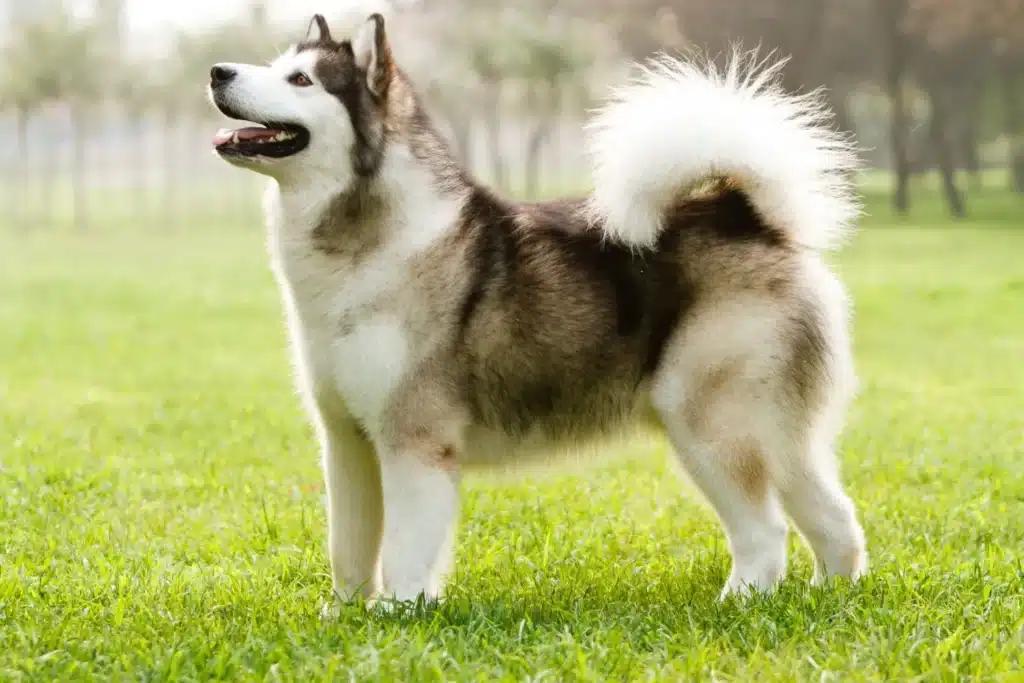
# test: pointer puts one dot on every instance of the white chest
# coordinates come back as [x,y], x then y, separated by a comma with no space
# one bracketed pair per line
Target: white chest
[364,365]
[350,331]
[351,321]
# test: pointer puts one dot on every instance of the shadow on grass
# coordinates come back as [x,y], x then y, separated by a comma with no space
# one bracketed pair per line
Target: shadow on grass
[643,615]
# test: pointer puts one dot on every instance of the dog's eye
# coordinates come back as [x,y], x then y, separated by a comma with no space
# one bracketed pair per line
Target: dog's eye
[300,79]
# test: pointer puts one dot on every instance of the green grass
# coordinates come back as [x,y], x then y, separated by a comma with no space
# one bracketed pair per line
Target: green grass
[161,509]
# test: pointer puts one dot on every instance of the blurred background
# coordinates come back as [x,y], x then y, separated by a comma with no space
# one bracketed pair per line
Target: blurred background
[103,119]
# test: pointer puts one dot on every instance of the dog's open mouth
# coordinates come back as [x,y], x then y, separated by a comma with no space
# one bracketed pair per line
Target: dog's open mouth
[275,140]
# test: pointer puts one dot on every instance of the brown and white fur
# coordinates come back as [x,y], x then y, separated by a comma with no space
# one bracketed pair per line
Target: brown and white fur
[437,326]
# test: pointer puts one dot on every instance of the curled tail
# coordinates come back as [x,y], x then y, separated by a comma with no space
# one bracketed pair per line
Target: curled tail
[680,124]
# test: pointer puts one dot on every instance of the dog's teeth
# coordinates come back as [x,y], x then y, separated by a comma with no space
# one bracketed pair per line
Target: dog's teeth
[234,138]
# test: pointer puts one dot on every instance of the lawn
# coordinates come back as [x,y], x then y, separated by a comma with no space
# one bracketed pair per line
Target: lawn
[161,512]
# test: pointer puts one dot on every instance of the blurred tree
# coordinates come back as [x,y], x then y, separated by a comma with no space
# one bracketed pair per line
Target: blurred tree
[550,64]
[829,42]
[83,70]
[492,62]
[1005,24]
[964,43]
[179,91]
[889,24]
[249,39]
[137,92]
[20,92]
[950,64]
[440,69]
[535,69]
[53,61]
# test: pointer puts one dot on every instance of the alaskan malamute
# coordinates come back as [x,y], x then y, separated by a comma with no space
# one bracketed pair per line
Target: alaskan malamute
[438,326]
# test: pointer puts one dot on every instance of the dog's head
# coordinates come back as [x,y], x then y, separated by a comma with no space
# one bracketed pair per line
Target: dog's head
[323,106]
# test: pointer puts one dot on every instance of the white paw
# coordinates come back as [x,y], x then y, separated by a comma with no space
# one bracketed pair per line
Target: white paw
[761,578]
[743,590]
[853,567]
[395,602]
[332,606]
[330,610]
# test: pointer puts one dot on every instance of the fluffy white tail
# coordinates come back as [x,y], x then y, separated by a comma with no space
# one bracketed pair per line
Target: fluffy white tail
[679,124]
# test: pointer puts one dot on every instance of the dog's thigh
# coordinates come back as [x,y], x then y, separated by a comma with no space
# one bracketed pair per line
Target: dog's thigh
[716,393]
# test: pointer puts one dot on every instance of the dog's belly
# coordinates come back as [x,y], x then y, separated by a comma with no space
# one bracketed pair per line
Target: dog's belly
[491,447]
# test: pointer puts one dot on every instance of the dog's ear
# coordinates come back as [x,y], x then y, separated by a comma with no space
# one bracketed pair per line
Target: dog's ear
[373,54]
[318,30]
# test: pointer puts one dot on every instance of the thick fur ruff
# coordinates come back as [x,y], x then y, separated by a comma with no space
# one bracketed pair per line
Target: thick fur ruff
[436,326]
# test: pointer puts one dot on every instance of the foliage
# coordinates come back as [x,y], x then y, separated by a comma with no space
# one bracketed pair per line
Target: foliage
[53,59]
[539,59]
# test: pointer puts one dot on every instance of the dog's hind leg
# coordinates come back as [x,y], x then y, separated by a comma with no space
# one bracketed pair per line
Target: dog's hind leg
[820,381]
[733,476]
[716,397]
[748,396]
[814,498]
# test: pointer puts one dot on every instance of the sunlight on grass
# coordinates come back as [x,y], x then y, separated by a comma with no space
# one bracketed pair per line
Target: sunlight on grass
[161,509]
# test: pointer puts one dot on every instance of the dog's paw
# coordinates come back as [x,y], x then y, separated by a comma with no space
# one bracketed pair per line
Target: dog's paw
[384,605]
[330,610]
[742,590]
[332,607]
[390,605]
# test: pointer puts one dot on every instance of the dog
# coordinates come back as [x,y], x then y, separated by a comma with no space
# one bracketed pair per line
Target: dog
[438,327]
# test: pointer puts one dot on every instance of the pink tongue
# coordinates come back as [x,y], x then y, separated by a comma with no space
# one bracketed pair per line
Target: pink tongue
[244,135]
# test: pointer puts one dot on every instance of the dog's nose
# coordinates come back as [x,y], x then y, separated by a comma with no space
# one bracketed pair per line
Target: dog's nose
[221,75]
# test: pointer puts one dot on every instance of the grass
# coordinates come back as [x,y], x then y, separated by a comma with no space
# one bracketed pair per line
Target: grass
[161,511]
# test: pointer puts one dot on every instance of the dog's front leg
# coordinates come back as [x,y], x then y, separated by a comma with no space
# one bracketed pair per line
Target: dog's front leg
[355,511]
[421,503]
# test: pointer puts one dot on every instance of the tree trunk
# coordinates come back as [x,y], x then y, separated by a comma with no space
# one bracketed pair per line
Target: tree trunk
[533,165]
[543,107]
[895,69]
[140,161]
[970,101]
[838,101]
[49,175]
[492,121]
[462,133]
[898,138]
[938,133]
[1011,97]
[78,190]
[804,24]
[19,183]
[168,210]
[969,149]
[460,121]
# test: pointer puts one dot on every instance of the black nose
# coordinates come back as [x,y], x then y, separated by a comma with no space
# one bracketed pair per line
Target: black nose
[221,75]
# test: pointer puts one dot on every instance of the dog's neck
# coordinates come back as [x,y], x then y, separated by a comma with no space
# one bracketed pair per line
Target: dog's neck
[403,201]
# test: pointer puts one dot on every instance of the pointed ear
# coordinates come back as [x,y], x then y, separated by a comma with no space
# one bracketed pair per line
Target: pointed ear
[318,30]
[373,54]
